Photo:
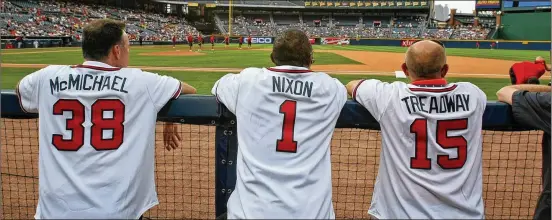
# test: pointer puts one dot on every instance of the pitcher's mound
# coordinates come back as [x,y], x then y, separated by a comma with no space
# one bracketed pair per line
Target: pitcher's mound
[172,53]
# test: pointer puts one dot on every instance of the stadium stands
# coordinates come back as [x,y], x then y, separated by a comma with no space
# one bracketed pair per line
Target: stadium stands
[49,18]
[29,18]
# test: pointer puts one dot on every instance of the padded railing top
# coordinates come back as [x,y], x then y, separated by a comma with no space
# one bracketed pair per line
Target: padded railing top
[204,109]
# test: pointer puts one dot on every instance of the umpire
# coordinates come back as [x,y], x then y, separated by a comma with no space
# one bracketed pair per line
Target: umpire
[531,108]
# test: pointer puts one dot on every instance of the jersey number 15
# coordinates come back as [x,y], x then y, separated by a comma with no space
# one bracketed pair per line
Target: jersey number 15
[421,160]
[99,124]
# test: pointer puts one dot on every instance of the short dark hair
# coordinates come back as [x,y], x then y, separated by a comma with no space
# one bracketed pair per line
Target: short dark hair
[533,80]
[99,36]
[292,48]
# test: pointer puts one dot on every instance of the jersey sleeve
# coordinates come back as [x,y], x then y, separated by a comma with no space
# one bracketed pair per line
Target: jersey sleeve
[532,109]
[374,96]
[226,90]
[341,93]
[27,91]
[161,89]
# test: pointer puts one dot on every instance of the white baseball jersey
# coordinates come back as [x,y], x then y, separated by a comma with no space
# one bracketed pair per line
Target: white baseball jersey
[431,154]
[285,120]
[96,137]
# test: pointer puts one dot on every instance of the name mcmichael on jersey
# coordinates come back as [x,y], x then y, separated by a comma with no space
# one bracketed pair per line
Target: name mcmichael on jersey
[89,82]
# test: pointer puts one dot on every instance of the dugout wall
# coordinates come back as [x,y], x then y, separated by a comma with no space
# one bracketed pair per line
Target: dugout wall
[196,180]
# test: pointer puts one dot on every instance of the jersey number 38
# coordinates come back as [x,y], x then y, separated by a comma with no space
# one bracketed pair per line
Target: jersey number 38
[113,123]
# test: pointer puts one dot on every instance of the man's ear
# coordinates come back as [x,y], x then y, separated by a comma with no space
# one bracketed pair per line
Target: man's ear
[405,70]
[116,50]
[272,59]
[444,70]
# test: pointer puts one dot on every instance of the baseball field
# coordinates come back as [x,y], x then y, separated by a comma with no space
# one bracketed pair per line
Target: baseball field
[486,68]
[185,177]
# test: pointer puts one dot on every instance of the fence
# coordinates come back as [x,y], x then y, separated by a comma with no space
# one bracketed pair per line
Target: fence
[195,180]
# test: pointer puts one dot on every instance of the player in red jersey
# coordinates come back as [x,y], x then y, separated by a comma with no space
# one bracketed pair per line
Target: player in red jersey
[212,42]
[249,41]
[528,72]
[190,41]
[226,41]
[199,41]
[174,41]
[240,42]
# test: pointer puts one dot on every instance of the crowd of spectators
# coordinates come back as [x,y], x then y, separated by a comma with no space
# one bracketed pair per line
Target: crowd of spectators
[401,28]
[438,34]
[28,18]
[469,33]
[44,19]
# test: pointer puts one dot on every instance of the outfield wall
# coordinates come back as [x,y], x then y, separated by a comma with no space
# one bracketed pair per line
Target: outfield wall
[484,44]
[526,26]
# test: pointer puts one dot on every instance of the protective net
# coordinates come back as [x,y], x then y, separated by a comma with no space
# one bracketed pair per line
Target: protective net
[186,177]
[511,172]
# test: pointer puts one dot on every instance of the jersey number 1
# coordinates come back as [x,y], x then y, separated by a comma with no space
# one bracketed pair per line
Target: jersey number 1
[421,160]
[286,143]
[99,124]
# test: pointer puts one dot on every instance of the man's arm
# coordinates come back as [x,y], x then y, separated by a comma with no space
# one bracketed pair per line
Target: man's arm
[505,94]
[27,92]
[187,89]
[351,86]
[226,90]
[373,94]
[532,109]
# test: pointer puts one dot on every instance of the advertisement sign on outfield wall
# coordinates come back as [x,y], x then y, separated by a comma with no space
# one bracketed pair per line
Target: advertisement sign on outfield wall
[259,40]
[312,40]
[335,41]
[407,43]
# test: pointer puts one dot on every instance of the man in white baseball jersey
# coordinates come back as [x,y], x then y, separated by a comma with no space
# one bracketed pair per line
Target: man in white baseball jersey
[97,129]
[431,156]
[286,116]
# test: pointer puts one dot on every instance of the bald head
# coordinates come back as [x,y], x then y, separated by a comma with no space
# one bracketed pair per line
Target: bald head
[425,60]
[539,58]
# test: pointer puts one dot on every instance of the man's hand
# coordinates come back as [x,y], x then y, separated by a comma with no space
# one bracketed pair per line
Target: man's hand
[171,136]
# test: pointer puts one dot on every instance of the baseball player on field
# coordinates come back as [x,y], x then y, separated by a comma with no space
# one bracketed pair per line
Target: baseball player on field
[431,157]
[286,116]
[97,129]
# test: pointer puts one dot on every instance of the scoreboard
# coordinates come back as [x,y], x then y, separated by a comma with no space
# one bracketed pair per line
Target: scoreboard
[526,4]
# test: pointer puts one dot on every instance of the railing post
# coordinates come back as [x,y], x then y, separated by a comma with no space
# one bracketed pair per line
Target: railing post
[226,149]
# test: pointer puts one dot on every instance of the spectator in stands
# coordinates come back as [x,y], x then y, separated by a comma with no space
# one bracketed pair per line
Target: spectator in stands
[531,108]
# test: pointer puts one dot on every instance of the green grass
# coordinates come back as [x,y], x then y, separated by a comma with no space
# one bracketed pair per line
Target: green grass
[203,81]
[219,58]
[246,58]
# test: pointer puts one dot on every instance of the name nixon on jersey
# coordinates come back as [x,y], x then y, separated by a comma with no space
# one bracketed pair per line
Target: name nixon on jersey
[89,82]
[294,87]
[445,104]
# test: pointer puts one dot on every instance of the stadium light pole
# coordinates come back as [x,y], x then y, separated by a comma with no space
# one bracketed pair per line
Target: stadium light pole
[230,18]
